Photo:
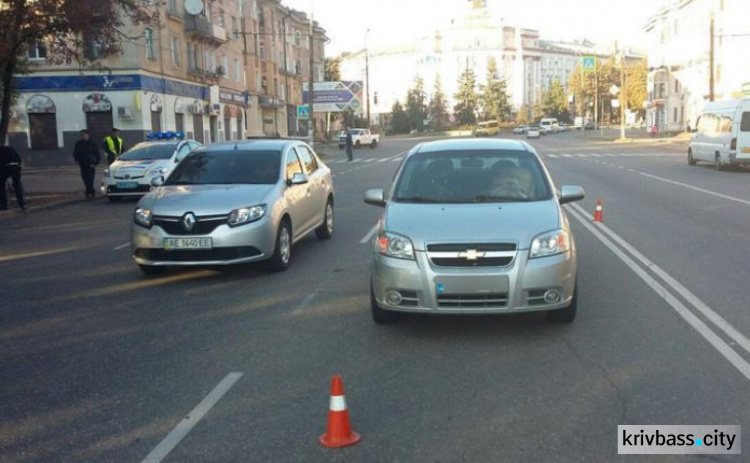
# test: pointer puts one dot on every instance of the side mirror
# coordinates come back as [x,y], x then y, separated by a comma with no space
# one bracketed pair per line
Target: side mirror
[157,181]
[298,179]
[375,197]
[570,193]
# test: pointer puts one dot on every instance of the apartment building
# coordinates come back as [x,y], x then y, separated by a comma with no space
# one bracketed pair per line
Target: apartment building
[224,70]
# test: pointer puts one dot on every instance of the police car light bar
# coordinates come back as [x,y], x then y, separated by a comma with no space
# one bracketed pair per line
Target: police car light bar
[165,135]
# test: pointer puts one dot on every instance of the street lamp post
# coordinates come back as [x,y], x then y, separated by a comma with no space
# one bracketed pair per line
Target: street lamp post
[311,84]
[367,76]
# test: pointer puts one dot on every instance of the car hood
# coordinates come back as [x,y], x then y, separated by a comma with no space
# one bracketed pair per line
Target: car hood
[138,166]
[176,200]
[472,223]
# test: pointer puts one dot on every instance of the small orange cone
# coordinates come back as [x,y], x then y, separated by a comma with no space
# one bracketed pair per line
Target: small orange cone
[339,433]
[599,212]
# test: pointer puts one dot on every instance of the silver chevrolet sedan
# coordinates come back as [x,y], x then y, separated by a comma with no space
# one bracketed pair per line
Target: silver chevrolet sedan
[233,203]
[473,226]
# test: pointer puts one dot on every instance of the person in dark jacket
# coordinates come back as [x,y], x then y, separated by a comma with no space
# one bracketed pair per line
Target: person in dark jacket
[10,167]
[86,154]
[349,144]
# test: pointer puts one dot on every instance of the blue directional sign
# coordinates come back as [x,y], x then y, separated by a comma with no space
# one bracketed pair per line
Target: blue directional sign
[303,112]
[589,63]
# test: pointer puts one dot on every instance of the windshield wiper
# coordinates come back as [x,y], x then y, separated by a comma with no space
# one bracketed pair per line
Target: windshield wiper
[497,199]
[420,199]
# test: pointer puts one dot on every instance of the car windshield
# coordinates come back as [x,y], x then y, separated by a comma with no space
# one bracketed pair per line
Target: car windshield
[472,177]
[149,150]
[227,167]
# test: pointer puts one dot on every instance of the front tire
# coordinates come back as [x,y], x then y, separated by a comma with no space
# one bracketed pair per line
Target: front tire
[691,159]
[282,253]
[568,314]
[717,162]
[374,144]
[325,230]
[357,145]
[380,316]
[152,270]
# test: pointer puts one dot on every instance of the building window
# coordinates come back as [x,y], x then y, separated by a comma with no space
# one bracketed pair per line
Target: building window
[209,10]
[172,6]
[225,65]
[150,47]
[262,51]
[718,73]
[234,26]
[297,37]
[176,51]
[237,73]
[37,51]
[676,86]
[221,19]
[675,115]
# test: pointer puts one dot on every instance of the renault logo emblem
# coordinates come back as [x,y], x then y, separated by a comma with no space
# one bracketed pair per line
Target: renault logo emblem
[472,254]
[188,221]
[127,177]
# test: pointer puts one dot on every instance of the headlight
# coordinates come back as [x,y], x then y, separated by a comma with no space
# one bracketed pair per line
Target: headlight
[550,244]
[107,174]
[142,217]
[246,215]
[157,172]
[394,245]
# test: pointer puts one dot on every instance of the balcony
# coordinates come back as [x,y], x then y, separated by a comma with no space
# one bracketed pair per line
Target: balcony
[202,29]
[206,74]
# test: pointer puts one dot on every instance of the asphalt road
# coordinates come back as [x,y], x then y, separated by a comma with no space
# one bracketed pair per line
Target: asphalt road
[100,363]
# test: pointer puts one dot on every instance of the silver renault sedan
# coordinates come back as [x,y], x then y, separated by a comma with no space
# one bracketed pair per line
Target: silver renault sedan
[232,203]
[473,227]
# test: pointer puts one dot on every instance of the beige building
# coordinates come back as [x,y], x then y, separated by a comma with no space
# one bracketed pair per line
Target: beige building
[224,73]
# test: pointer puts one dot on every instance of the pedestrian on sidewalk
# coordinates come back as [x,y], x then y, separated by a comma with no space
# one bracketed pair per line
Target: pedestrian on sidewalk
[654,131]
[10,167]
[349,144]
[113,146]
[86,154]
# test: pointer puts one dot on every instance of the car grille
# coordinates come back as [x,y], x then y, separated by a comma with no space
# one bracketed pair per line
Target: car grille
[472,254]
[216,254]
[473,301]
[203,225]
[127,177]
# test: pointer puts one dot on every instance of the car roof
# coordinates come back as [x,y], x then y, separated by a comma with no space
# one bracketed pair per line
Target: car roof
[472,144]
[260,144]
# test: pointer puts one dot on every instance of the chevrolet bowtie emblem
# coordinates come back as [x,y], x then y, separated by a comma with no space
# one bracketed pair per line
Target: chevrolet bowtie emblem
[473,254]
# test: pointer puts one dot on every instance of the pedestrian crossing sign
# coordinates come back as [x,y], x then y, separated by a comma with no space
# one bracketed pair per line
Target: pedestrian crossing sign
[303,112]
[589,63]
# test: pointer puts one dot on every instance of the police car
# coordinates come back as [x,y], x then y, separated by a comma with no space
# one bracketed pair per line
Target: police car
[130,175]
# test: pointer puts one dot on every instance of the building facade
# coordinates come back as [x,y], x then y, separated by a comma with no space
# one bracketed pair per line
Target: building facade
[216,75]
[680,54]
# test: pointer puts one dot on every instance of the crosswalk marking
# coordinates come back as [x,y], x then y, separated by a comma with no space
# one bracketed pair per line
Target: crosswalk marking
[567,155]
[369,160]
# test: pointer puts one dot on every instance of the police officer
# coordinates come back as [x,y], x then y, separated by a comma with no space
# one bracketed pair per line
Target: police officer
[113,146]
[86,154]
[10,167]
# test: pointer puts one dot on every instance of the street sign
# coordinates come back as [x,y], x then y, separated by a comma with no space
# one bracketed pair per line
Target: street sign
[303,112]
[746,89]
[589,63]
[336,97]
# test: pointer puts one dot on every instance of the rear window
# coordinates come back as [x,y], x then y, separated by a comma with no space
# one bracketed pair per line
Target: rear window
[143,151]
[227,168]
[745,123]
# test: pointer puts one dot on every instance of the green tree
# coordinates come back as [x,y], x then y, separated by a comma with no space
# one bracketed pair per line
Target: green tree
[416,105]
[636,80]
[589,87]
[467,100]
[555,102]
[438,107]
[333,69]
[66,30]
[494,100]
[399,120]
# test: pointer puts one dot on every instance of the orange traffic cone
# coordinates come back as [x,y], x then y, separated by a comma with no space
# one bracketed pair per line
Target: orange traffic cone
[339,433]
[599,212]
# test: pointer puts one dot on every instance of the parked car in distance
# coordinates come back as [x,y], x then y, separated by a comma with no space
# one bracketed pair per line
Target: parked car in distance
[549,125]
[533,132]
[520,130]
[722,134]
[518,254]
[360,138]
[564,127]
[487,129]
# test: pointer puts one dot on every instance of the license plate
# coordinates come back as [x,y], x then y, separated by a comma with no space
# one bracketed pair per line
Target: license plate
[187,243]
[127,185]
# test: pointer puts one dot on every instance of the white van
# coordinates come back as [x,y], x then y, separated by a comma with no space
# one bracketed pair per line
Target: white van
[550,125]
[722,134]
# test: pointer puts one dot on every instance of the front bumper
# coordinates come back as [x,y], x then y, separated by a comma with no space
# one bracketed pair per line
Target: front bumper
[231,245]
[419,283]
[109,187]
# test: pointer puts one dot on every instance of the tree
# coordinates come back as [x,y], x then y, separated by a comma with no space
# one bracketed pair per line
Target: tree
[584,85]
[399,120]
[494,99]
[466,97]
[416,105]
[333,69]
[555,102]
[636,80]
[66,30]
[438,108]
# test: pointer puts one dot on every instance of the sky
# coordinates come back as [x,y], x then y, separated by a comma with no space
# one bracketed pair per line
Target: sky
[397,21]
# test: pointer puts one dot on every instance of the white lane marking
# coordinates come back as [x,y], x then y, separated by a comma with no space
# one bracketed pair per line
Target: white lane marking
[593,154]
[620,167]
[122,246]
[582,155]
[397,159]
[567,155]
[702,307]
[354,161]
[704,330]
[553,156]
[632,170]
[369,235]
[702,190]
[370,160]
[610,155]
[184,426]
[382,160]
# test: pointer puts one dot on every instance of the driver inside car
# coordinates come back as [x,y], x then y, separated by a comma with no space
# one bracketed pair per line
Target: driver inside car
[513,182]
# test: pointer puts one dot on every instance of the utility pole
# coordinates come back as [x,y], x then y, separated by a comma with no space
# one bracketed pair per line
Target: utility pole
[367,76]
[711,62]
[311,84]
[286,71]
